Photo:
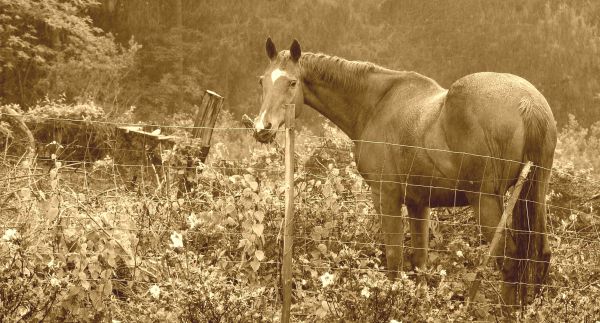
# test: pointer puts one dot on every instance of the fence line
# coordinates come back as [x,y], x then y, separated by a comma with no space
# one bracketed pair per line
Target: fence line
[304,167]
[149,165]
[156,125]
[307,136]
[311,136]
[113,228]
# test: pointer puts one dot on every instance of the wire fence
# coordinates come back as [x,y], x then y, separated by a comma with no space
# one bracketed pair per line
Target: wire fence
[228,213]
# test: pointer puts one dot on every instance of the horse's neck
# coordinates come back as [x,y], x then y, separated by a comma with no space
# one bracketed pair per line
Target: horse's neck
[351,110]
[347,109]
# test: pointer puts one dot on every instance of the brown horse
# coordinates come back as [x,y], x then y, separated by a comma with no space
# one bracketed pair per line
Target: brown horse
[420,145]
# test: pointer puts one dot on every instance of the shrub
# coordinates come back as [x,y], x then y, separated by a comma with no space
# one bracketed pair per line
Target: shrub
[579,147]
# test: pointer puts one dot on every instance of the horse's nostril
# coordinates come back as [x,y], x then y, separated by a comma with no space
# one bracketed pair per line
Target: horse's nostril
[268,126]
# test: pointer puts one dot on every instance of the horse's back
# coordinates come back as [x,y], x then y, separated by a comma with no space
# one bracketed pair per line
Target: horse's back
[491,98]
[493,114]
[496,104]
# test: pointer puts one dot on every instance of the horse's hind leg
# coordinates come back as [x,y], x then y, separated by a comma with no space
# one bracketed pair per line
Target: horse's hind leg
[387,203]
[545,256]
[488,210]
[419,233]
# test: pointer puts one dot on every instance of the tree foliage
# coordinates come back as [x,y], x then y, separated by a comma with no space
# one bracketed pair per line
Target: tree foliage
[55,47]
[52,47]
[553,44]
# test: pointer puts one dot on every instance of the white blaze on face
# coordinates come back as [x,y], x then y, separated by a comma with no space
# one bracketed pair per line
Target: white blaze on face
[277,73]
[260,122]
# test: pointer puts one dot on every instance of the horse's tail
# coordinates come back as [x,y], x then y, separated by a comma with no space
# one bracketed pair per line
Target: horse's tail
[529,219]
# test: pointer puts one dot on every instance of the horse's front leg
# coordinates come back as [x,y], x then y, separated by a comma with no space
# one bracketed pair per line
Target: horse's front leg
[387,204]
[419,234]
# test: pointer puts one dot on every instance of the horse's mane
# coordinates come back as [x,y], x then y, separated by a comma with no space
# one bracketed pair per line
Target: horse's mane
[336,70]
[343,73]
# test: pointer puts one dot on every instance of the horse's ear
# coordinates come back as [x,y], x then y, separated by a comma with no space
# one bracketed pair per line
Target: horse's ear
[295,50]
[271,50]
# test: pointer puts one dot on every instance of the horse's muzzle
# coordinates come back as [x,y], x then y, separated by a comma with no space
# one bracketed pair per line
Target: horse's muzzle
[265,136]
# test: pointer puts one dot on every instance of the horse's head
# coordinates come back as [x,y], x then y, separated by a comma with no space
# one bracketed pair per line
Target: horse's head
[281,85]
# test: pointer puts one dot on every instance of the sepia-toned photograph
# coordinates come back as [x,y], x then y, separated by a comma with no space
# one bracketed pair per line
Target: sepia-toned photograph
[285,161]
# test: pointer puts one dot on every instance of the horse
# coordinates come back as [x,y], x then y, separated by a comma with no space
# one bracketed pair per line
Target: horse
[420,145]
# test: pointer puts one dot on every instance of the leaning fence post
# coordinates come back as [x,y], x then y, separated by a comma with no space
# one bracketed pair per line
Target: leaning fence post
[206,117]
[510,205]
[286,270]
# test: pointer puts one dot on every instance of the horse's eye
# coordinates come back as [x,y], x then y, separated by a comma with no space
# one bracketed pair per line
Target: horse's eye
[293,83]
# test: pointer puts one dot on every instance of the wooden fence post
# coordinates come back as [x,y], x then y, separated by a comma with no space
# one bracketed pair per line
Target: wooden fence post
[206,117]
[286,270]
[510,205]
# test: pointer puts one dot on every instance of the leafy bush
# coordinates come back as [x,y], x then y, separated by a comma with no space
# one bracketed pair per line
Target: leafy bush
[579,147]
[71,131]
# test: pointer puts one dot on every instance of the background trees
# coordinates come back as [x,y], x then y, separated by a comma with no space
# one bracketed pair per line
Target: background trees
[160,55]
[52,48]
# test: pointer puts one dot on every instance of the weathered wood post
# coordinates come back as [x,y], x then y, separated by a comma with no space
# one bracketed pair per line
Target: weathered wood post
[286,270]
[510,205]
[206,117]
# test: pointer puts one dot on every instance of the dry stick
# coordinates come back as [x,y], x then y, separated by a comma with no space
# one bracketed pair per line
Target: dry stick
[510,205]
[5,149]
[15,120]
[286,271]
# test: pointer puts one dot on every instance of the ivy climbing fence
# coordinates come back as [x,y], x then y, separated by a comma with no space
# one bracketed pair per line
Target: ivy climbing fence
[161,229]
